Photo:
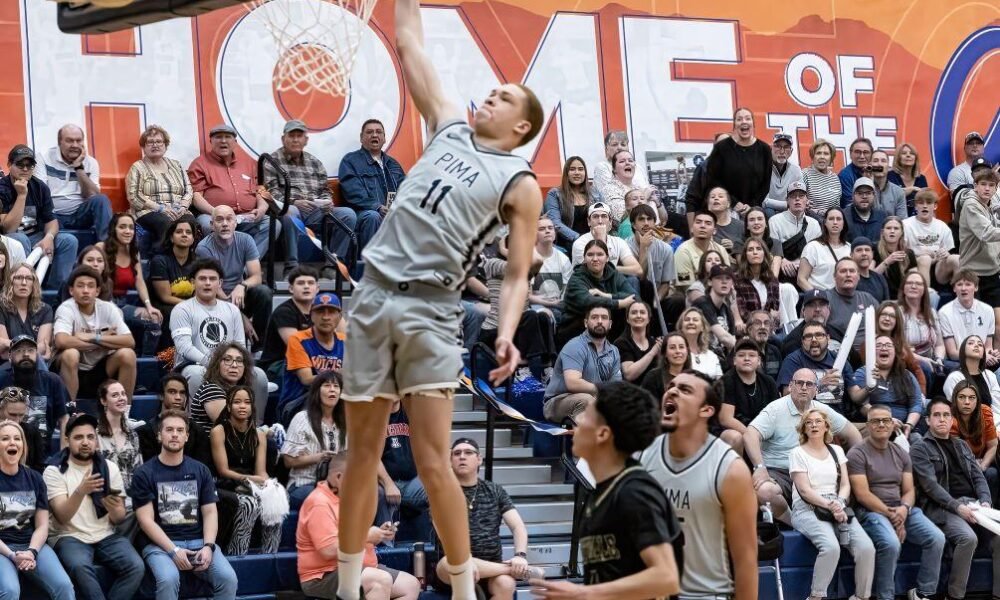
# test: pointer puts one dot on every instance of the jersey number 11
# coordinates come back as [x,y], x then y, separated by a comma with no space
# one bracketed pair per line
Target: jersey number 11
[440,196]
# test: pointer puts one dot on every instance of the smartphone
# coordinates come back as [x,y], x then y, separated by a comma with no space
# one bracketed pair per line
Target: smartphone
[114,492]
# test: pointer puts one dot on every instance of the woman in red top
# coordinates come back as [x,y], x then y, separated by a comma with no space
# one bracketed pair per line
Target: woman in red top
[974,423]
[121,253]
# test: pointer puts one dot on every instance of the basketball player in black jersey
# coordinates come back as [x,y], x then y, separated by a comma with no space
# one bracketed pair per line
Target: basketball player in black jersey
[630,539]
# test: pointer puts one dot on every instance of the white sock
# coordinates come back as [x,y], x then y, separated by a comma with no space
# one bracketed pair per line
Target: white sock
[349,575]
[463,580]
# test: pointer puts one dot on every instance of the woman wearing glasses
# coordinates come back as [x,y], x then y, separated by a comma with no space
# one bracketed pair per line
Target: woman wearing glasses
[894,387]
[157,187]
[230,365]
[24,313]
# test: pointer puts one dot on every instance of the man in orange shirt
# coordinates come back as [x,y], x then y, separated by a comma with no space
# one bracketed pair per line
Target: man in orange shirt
[317,541]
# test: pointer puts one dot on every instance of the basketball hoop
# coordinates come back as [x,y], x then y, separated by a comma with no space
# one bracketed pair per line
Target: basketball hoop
[317,41]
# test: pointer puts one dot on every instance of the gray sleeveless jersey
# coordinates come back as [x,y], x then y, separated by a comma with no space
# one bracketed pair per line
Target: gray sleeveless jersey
[693,485]
[445,212]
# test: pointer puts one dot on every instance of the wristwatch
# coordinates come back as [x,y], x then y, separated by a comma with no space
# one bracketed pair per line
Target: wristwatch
[760,466]
[520,555]
[210,546]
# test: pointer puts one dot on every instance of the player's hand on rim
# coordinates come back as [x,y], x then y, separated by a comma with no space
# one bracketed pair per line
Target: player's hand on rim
[508,358]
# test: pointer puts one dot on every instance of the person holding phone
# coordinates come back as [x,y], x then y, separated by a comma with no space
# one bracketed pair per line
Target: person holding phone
[86,500]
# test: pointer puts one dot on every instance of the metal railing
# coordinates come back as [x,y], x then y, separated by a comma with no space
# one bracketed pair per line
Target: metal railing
[580,482]
[274,212]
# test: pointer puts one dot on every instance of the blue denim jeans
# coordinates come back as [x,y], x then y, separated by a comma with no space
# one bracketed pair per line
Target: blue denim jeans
[219,574]
[48,575]
[919,531]
[94,213]
[114,553]
[63,255]
[368,223]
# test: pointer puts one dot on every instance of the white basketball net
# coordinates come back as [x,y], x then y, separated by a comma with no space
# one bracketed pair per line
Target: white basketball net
[317,42]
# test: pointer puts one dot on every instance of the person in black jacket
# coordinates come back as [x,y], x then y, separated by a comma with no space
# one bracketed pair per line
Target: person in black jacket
[173,396]
[950,485]
[741,164]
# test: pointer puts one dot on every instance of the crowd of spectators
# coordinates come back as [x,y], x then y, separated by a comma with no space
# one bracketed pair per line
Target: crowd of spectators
[757,295]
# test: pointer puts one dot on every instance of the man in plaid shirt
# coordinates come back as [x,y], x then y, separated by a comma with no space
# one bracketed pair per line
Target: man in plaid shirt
[310,194]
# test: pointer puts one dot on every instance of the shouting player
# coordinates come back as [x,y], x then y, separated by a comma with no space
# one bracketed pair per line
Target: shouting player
[405,315]
[710,490]
[629,537]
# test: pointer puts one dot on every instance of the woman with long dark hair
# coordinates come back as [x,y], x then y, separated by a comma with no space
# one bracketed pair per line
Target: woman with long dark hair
[315,434]
[566,205]
[709,259]
[895,387]
[230,364]
[920,325]
[124,268]
[972,366]
[889,322]
[170,270]
[974,424]
[117,434]
[758,229]
[239,453]
[674,358]
[637,348]
[755,283]
[820,256]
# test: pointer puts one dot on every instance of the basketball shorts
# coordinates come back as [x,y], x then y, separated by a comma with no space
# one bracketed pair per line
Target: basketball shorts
[403,338]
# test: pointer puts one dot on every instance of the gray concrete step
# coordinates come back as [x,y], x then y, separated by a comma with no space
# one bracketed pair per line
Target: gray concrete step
[474,417]
[538,529]
[464,402]
[545,512]
[501,437]
[539,490]
[511,453]
[514,474]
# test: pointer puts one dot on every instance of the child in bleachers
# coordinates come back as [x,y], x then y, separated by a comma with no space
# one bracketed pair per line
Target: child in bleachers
[239,453]
[229,365]
[315,434]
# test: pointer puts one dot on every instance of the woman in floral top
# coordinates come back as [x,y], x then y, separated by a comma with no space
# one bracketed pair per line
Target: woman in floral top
[116,433]
[315,434]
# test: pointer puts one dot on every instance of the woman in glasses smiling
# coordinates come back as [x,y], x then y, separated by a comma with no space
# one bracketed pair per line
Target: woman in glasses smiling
[894,386]
[230,365]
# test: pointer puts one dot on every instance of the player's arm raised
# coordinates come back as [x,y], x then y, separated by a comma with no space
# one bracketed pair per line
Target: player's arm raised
[739,507]
[521,205]
[418,72]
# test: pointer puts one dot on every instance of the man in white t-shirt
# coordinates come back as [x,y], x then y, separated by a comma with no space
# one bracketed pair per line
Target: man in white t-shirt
[619,255]
[965,316]
[74,179]
[549,285]
[91,338]
[930,239]
[787,224]
[87,500]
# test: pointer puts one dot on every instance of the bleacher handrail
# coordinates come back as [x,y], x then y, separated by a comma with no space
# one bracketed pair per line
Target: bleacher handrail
[274,211]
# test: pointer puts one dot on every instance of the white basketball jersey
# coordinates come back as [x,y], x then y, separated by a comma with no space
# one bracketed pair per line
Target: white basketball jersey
[445,212]
[692,486]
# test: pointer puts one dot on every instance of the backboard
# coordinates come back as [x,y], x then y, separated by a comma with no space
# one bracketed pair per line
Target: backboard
[88,18]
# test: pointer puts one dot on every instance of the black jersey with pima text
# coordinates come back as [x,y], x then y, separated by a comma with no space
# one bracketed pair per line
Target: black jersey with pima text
[623,516]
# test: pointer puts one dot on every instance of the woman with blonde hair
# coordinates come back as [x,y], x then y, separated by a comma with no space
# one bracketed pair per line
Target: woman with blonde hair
[906,173]
[22,312]
[820,494]
[694,327]
[158,189]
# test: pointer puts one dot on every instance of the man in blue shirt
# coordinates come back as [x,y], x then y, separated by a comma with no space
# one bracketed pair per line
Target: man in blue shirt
[311,352]
[369,179]
[815,355]
[26,197]
[861,153]
[174,499]
[864,219]
[585,361]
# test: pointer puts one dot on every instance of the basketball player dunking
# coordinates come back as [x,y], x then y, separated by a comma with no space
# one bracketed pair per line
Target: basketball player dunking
[711,492]
[630,540]
[405,314]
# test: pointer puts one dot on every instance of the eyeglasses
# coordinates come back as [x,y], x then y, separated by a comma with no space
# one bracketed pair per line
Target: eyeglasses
[23,278]
[25,164]
[815,422]
[814,336]
[802,383]
[155,143]
[760,323]
[881,421]
[232,360]
[885,346]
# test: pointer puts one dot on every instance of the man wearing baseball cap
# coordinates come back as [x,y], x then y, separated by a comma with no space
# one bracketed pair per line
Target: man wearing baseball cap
[489,506]
[221,176]
[47,392]
[28,219]
[961,174]
[312,351]
[783,173]
[311,200]
[815,307]
[715,307]
[863,217]
[619,254]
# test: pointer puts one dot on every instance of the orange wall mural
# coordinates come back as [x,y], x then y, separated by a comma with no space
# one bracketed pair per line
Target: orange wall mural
[668,72]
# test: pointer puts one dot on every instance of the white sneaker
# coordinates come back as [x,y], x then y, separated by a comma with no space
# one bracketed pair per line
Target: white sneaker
[913,594]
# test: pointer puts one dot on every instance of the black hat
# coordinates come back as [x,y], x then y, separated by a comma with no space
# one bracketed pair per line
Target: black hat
[814,296]
[862,241]
[23,339]
[746,344]
[80,418]
[980,163]
[465,440]
[19,153]
[720,271]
